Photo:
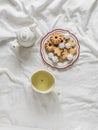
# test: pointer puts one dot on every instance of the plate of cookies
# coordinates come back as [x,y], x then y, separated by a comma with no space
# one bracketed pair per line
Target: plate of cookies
[59,48]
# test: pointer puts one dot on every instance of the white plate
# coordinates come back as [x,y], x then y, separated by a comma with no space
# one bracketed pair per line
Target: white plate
[59,65]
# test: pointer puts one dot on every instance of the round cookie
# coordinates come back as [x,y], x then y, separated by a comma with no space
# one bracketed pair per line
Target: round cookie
[72,51]
[49,46]
[55,38]
[62,38]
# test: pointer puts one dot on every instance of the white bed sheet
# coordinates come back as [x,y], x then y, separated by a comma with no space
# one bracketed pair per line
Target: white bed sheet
[74,103]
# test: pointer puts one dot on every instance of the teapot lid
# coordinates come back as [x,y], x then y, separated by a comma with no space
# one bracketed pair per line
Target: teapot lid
[25,37]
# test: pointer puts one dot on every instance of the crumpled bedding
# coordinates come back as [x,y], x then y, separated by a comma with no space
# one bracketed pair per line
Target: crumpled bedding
[73,105]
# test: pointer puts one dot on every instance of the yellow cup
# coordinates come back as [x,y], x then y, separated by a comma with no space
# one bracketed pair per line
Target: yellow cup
[42,81]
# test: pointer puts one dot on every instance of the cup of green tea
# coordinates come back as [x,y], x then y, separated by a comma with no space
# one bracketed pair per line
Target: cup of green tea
[42,81]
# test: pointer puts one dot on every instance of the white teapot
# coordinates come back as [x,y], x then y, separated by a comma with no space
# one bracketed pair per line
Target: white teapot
[26,36]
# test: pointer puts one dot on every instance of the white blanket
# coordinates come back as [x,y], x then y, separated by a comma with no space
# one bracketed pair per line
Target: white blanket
[73,105]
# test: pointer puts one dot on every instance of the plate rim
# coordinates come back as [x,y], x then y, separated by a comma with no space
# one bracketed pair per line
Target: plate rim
[57,67]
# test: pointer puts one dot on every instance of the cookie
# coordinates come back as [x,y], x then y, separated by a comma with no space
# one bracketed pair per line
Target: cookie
[61,45]
[71,42]
[67,45]
[57,51]
[64,55]
[67,36]
[49,46]
[50,55]
[55,38]
[55,59]
[72,51]
[70,57]
[62,39]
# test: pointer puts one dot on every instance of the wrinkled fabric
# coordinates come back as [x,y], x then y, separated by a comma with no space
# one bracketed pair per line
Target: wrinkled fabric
[73,105]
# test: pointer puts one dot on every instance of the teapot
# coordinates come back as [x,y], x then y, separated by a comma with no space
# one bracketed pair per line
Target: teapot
[26,36]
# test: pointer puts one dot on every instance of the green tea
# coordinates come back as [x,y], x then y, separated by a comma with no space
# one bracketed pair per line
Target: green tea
[42,80]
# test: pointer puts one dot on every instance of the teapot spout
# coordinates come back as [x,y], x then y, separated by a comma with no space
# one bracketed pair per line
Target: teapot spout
[33,27]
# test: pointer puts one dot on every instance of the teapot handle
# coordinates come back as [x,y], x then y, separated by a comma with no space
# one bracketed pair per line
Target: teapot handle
[14,43]
[33,27]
